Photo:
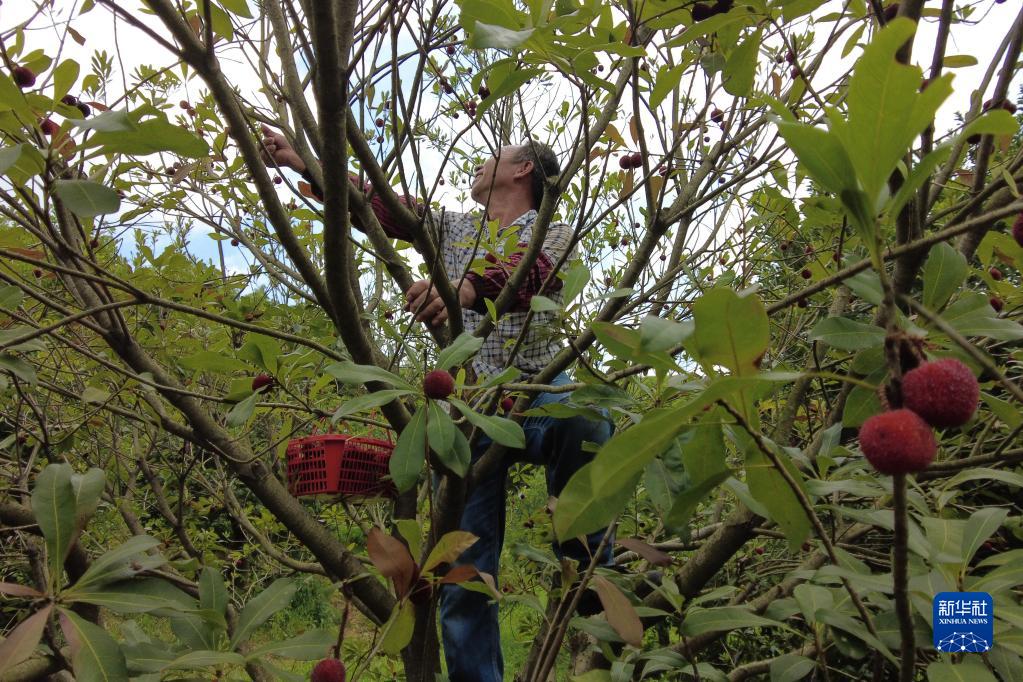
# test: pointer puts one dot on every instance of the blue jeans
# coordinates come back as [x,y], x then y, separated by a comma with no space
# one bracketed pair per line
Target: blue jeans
[469,625]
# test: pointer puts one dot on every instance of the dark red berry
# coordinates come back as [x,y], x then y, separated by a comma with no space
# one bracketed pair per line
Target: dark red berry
[1017,229]
[996,303]
[48,127]
[450,49]
[484,92]
[806,274]
[507,403]
[701,11]
[23,76]
[278,179]
[490,258]
[234,242]
[890,12]
[184,104]
[897,442]
[438,384]
[380,123]
[261,381]
[70,100]
[717,115]
[37,273]
[995,273]
[84,108]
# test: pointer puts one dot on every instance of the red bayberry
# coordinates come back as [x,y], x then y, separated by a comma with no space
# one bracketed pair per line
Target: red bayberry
[758,550]
[184,104]
[380,123]
[890,12]
[328,670]
[637,159]
[23,76]
[701,11]
[1017,229]
[995,273]
[278,179]
[944,392]
[996,303]
[507,403]
[94,243]
[897,442]
[48,127]
[806,274]
[262,380]
[484,92]
[450,49]
[70,100]
[84,108]
[490,258]
[625,162]
[717,115]
[784,246]
[438,384]
[37,273]
[234,242]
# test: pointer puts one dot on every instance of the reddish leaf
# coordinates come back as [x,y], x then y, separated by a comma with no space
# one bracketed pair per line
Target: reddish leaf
[651,554]
[392,559]
[619,612]
[22,641]
[459,574]
[16,590]
[306,190]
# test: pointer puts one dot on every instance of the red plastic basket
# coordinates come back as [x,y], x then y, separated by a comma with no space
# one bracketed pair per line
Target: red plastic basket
[339,464]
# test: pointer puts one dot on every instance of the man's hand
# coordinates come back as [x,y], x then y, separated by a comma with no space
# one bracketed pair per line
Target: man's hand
[277,151]
[424,301]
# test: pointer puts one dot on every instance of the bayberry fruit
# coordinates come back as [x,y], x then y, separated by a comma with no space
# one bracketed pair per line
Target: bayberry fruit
[48,127]
[944,392]
[995,273]
[996,303]
[262,380]
[1017,229]
[328,670]
[23,76]
[438,384]
[897,442]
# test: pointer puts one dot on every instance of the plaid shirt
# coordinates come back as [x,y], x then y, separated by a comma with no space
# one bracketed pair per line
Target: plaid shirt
[458,238]
[541,342]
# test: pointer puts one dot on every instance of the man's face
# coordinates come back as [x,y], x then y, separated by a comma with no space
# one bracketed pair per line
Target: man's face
[501,172]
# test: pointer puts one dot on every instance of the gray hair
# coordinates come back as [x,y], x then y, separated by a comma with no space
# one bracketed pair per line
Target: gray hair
[545,164]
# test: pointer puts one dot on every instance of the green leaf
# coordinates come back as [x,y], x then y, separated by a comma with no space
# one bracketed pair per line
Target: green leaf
[856,629]
[687,501]
[811,598]
[116,564]
[242,410]
[658,334]
[731,330]
[86,198]
[261,607]
[448,548]
[699,620]
[542,304]
[980,526]
[53,504]
[95,656]
[968,670]
[87,489]
[195,660]
[112,121]
[23,159]
[575,280]
[500,430]
[409,452]
[770,489]
[367,402]
[790,668]
[350,373]
[485,35]
[741,67]
[944,273]
[20,643]
[822,154]
[581,510]
[150,137]
[886,111]
[460,350]
[10,296]
[212,361]
[261,351]
[139,595]
[65,75]
[866,285]
[920,174]
[398,628]
[846,334]
[18,368]
[305,647]
[212,591]
[994,122]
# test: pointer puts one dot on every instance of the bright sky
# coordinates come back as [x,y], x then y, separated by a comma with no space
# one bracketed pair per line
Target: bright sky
[131,48]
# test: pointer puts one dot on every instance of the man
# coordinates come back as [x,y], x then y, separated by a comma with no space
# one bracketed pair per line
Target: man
[510,186]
